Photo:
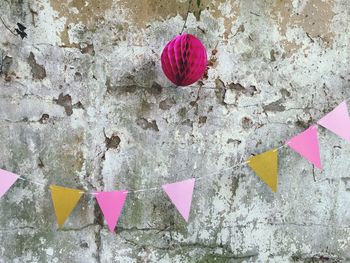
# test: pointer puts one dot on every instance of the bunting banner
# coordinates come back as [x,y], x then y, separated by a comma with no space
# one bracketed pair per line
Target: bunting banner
[111,204]
[265,166]
[7,179]
[306,144]
[338,121]
[64,201]
[180,194]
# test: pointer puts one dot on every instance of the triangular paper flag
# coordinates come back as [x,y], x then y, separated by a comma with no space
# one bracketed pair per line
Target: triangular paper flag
[7,179]
[265,166]
[180,193]
[64,200]
[111,204]
[306,144]
[338,121]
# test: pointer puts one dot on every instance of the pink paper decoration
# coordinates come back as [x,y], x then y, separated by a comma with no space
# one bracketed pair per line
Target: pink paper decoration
[338,121]
[7,179]
[111,204]
[184,60]
[306,144]
[180,193]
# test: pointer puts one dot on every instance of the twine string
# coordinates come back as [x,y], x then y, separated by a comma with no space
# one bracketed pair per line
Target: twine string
[158,188]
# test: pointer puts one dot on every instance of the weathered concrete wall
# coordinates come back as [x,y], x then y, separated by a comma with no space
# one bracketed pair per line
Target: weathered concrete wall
[84,104]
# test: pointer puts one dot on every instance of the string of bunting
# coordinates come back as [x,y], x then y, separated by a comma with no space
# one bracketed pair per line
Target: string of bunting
[180,193]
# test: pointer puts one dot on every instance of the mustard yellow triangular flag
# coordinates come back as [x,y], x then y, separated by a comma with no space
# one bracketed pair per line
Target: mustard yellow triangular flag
[265,166]
[64,200]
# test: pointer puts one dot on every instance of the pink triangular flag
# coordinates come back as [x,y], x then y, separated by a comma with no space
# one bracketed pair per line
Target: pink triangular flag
[111,204]
[180,193]
[306,144]
[7,179]
[338,121]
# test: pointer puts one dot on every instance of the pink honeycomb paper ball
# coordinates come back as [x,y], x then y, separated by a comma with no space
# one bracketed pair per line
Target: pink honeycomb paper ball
[184,60]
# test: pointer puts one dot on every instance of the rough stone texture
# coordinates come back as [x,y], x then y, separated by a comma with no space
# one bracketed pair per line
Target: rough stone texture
[84,104]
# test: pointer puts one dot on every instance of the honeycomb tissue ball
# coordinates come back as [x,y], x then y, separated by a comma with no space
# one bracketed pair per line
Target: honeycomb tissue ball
[184,60]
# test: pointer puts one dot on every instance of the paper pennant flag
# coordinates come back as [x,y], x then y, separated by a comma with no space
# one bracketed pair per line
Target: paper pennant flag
[338,121]
[180,193]
[64,200]
[7,179]
[265,166]
[306,144]
[111,204]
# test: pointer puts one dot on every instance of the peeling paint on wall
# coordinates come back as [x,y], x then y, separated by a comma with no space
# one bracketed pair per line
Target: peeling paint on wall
[84,104]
